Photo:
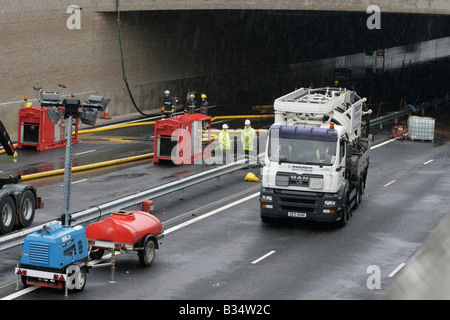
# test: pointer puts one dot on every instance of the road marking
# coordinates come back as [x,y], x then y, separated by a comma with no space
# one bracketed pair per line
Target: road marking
[184,224]
[263,257]
[84,152]
[20,293]
[429,161]
[389,183]
[401,265]
[382,144]
[79,181]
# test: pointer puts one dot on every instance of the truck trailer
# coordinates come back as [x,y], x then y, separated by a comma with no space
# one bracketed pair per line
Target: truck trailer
[317,156]
[18,201]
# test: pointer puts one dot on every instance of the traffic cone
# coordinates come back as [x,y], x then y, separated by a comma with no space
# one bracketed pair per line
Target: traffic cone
[251,177]
[106,116]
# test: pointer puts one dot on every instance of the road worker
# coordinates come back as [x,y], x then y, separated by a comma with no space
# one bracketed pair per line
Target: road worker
[191,105]
[168,107]
[248,136]
[322,153]
[224,143]
[285,150]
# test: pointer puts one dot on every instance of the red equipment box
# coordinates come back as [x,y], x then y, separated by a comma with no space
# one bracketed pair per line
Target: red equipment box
[180,138]
[36,130]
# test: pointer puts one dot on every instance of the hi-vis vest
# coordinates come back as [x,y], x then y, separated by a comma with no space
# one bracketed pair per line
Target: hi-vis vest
[224,140]
[247,138]
[318,152]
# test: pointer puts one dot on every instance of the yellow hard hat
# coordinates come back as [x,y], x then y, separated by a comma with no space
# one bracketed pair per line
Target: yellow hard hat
[192,96]
[203,96]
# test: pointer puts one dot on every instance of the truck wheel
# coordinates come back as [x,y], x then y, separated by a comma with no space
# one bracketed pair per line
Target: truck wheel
[345,213]
[27,209]
[7,215]
[358,195]
[147,255]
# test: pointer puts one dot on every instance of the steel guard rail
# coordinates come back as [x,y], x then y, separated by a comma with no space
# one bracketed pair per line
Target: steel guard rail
[13,239]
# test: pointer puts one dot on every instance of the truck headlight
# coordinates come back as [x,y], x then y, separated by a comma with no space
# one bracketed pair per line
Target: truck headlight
[266,198]
[330,203]
[315,183]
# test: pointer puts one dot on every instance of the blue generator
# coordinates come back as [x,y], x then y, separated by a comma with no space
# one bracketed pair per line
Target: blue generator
[55,256]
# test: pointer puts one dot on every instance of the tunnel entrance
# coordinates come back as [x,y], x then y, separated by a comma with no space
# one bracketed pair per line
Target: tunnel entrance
[242,58]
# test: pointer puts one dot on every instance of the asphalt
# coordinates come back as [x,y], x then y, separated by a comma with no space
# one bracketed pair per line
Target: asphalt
[212,258]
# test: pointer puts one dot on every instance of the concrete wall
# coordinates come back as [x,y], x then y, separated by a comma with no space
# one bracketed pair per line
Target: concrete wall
[227,53]
[406,6]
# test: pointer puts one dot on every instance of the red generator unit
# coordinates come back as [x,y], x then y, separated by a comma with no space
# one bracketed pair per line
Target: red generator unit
[182,139]
[39,129]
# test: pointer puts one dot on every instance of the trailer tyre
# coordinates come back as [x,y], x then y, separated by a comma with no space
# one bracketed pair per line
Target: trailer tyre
[147,255]
[81,280]
[7,214]
[27,208]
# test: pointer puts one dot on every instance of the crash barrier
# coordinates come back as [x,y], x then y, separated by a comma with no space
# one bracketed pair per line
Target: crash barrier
[94,213]
[426,276]
[395,115]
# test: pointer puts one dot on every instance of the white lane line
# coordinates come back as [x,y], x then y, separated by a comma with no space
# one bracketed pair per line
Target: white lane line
[401,265]
[389,183]
[429,161]
[383,143]
[79,181]
[20,293]
[184,224]
[263,257]
[84,152]
[75,182]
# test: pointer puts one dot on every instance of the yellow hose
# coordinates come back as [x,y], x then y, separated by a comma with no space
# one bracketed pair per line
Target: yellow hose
[95,165]
[119,126]
[147,123]
[87,166]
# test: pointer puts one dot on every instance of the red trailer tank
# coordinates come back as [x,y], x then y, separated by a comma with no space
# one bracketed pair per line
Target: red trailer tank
[126,227]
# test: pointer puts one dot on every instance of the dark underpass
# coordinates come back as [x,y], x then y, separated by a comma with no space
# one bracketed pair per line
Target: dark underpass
[247,58]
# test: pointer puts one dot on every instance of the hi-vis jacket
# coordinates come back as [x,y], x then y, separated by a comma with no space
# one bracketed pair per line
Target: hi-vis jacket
[224,140]
[248,136]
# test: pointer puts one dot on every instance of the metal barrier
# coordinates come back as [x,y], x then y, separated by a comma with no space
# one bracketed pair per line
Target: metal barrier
[11,240]
[395,115]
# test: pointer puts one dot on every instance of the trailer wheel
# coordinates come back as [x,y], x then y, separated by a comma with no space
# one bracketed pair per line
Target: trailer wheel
[81,279]
[7,214]
[96,254]
[27,208]
[147,255]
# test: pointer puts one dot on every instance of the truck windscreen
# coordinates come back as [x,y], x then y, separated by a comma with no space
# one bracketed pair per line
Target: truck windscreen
[313,149]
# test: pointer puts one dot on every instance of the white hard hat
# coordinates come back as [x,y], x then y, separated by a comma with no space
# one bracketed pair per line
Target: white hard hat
[167,92]
[247,121]
[225,126]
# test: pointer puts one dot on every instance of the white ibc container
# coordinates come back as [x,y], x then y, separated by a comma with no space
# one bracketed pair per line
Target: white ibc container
[421,128]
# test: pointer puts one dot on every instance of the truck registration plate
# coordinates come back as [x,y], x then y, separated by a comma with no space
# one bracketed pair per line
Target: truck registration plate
[297,214]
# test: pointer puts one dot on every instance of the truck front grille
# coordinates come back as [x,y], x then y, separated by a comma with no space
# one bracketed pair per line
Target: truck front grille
[39,253]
